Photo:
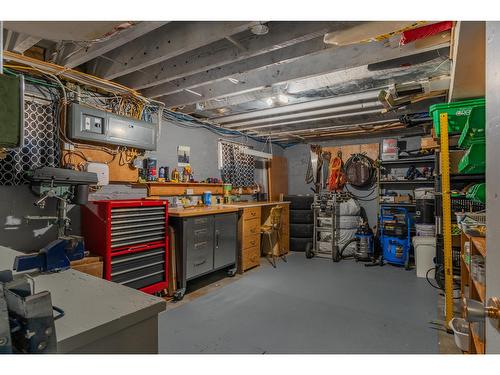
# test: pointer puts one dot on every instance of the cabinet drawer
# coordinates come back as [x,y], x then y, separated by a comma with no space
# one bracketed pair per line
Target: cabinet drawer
[250,258]
[251,241]
[251,227]
[251,213]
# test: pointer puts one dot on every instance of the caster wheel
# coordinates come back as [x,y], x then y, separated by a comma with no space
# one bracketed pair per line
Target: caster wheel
[231,273]
[179,295]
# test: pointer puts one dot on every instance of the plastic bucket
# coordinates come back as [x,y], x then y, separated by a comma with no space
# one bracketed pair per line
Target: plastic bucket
[428,230]
[460,329]
[425,251]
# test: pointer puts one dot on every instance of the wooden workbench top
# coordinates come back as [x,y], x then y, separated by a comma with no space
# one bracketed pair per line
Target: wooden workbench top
[200,211]
[242,205]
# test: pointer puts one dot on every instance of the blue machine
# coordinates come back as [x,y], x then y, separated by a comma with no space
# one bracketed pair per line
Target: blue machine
[395,240]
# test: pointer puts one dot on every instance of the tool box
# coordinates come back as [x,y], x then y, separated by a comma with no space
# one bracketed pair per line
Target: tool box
[132,237]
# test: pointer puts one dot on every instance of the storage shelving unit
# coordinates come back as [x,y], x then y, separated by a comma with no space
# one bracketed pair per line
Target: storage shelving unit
[473,289]
[404,184]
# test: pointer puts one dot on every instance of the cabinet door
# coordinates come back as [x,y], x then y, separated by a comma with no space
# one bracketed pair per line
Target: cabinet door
[226,229]
[199,245]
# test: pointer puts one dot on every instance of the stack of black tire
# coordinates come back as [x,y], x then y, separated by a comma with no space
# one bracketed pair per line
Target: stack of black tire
[301,222]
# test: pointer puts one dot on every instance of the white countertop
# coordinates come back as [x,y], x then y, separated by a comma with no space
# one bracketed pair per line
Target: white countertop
[94,308]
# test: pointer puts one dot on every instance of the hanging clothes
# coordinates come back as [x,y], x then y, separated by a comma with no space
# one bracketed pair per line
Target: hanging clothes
[337,179]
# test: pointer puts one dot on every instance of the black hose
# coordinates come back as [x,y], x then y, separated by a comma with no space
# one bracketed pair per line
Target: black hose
[368,162]
[341,252]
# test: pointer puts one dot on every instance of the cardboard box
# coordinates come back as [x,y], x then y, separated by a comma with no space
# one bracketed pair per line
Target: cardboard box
[428,143]
[402,199]
[455,157]
[92,265]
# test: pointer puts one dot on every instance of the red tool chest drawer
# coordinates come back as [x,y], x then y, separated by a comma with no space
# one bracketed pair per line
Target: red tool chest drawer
[132,236]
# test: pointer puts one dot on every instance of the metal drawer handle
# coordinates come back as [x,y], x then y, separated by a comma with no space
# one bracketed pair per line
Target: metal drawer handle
[253,213]
[199,231]
[200,221]
[217,233]
[200,263]
[199,244]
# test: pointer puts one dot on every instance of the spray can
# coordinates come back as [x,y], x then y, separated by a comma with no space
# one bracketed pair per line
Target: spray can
[161,173]
[151,169]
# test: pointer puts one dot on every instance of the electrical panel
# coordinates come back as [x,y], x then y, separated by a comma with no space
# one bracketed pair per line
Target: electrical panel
[11,111]
[86,123]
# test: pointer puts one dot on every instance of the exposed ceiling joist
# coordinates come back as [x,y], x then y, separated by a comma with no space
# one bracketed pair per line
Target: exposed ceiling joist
[281,34]
[84,54]
[163,43]
[25,42]
[227,71]
[309,66]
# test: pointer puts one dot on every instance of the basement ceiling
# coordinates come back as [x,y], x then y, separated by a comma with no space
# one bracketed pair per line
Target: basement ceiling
[287,84]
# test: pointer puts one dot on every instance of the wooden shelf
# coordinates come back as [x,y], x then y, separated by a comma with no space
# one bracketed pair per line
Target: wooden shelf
[480,288]
[465,263]
[479,244]
[478,344]
[157,189]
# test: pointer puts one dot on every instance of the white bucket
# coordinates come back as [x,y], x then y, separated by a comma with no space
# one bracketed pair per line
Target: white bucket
[426,230]
[425,251]
[460,329]
[424,193]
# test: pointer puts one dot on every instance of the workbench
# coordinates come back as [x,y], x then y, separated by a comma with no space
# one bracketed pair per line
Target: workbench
[205,241]
[100,316]
[252,216]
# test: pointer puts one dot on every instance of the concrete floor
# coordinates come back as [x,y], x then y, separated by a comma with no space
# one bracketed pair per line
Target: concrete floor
[305,306]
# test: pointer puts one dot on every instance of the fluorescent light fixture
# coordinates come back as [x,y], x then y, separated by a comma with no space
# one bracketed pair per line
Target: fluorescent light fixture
[257,154]
[233,80]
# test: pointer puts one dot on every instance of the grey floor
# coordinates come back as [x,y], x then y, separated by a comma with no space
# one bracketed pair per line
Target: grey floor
[307,306]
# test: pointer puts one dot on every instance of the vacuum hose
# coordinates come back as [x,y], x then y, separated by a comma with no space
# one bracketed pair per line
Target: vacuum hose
[341,252]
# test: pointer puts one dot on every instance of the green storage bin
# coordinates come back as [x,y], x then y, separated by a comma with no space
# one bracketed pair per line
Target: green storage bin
[474,160]
[477,192]
[474,129]
[458,114]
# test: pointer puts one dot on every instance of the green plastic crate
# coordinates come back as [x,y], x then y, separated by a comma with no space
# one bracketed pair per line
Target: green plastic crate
[477,192]
[458,114]
[474,160]
[474,129]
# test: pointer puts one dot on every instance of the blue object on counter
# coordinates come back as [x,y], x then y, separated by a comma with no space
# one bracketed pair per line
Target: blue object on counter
[207,198]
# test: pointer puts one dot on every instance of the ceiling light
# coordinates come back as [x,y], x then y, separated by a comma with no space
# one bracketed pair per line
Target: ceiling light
[283,99]
[269,101]
[259,29]
[233,80]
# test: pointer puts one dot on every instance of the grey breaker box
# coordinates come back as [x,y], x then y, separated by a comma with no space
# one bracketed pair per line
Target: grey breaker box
[91,124]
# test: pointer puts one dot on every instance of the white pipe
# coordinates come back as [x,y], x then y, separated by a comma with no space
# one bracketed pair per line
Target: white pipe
[296,116]
[311,130]
[313,119]
[313,104]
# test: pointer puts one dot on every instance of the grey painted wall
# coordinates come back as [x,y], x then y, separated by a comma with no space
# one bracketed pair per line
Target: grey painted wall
[17,201]
[298,160]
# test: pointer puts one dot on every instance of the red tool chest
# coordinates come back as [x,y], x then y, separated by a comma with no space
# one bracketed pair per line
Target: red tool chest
[132,237]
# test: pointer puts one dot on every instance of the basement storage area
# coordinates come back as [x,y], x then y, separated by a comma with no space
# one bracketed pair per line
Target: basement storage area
[249,187]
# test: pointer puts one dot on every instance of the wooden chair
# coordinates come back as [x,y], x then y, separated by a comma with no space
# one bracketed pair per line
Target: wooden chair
[273,229]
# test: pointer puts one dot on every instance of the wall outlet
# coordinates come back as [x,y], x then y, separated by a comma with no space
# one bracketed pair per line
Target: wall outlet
[69,146]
